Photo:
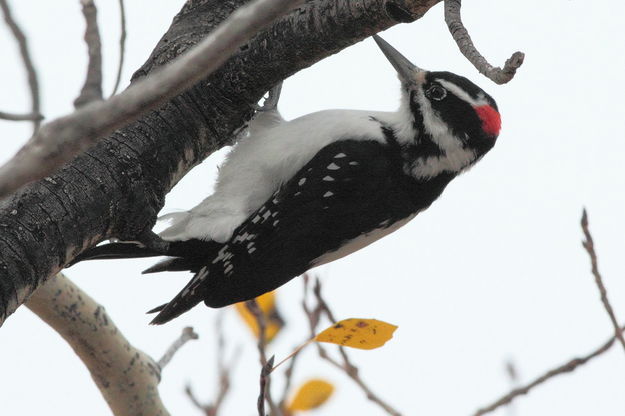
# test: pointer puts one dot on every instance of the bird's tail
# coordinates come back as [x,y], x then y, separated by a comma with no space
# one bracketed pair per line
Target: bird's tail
[121,250]
[187,255]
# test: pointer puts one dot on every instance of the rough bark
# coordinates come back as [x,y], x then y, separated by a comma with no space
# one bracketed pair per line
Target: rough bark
[116,188]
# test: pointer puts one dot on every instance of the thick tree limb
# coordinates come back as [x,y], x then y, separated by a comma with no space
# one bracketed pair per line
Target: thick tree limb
[92,89]
[126,376]
[60,140]
[468,49]
[116,188]
[33,83]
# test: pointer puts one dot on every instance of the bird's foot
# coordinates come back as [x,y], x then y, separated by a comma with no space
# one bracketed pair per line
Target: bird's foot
[271,102]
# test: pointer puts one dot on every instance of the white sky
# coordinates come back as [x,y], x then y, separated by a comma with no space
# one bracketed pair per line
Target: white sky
[494,271]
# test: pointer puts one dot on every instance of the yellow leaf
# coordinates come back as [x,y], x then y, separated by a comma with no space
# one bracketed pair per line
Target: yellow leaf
[365,334]
[267,305]
[311,395]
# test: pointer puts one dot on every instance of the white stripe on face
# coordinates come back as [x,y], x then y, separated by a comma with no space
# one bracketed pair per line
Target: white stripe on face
[462,94]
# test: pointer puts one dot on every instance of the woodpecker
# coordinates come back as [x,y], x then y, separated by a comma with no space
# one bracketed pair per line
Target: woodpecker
[294,195]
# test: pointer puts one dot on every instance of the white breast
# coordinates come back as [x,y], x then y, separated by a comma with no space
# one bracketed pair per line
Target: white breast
[259,164]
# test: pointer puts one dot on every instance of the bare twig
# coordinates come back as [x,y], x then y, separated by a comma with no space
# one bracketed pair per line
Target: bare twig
[590,248]
[122,46]
[92,89]
[568,367]
[33,83]
[60,140]
[288,379]
[264,388]
[20,117]
[463,39]
[265,381]
[223,370]
[187,335]
[126,376]
[346,366]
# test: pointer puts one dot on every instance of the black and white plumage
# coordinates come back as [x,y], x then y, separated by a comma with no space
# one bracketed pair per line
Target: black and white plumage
[294,195]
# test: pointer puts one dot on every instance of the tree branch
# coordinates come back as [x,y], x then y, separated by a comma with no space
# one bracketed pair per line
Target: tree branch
[20,117]
[590,248]
[126,376]
[266,364]
[346,366]
[60,140]
[122,46]
[463,39]
[92,89]
[567,367]
[31,72]
[116,188]
[187,335]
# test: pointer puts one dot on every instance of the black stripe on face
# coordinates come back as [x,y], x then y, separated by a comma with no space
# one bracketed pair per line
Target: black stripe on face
[423,145]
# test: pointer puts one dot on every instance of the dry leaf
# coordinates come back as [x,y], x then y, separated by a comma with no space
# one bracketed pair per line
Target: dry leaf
[365,334]
[311,395]
[267,305]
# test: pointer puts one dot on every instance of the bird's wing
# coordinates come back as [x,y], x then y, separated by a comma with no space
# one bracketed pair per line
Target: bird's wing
[349,189]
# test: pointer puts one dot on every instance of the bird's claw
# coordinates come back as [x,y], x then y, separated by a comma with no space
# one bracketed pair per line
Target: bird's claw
[271,102]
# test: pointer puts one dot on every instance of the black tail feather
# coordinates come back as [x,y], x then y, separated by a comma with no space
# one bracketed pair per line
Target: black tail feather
[116,251]
[157,309]
[176,264]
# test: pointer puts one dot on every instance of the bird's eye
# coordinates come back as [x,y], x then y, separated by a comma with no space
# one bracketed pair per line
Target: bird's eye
[436,92]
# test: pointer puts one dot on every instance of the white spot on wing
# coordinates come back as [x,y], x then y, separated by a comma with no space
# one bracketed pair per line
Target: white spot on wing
[328,179]
[256,219]
[340,156]
[353,163]
[301,181]
[328,194]
[333,166]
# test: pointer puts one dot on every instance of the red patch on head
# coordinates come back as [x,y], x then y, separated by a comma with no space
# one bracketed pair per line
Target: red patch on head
[491,120]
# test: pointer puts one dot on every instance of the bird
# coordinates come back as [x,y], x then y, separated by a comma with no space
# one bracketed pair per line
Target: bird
[293,195]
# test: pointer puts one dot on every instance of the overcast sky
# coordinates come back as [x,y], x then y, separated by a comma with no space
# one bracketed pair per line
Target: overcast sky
[493,271]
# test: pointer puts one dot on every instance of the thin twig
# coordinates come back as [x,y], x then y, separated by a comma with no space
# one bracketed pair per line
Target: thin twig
[463,39]
[264,387]
[187,335]
[288,379]
[33,83]
[122,46]
[223,373]
[265,381]
[92,89]
[20,117]
[562,369]
[346,366]
[196,402]
[60,140]
[590,248]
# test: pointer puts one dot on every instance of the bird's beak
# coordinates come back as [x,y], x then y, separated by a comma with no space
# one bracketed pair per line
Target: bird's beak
[405,69]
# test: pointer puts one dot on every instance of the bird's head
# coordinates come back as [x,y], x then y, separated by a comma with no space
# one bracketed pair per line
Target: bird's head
[454,122]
